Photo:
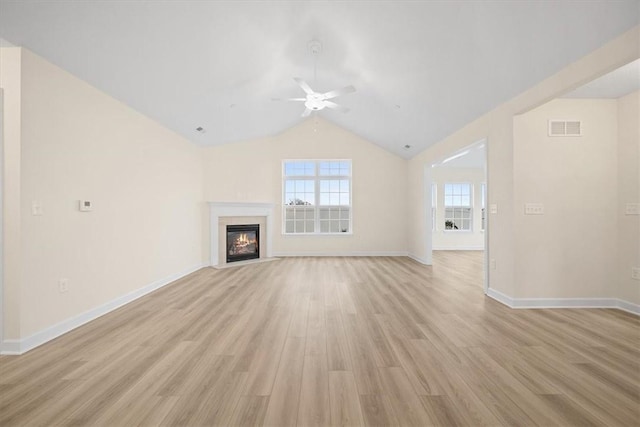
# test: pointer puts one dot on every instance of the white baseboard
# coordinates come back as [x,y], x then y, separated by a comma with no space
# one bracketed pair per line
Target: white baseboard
[339,254]
[564,302]
[459,248]
[418,259]
[22,346]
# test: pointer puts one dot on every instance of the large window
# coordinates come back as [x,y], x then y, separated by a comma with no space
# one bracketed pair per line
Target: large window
[458,206]
[317,196]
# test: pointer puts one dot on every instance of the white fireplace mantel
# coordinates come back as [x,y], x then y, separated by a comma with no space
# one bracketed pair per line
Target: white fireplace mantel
[231,209]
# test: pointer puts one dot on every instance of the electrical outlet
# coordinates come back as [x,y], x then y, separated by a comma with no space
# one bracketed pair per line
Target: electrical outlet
[492,263]
[63,285]
[635,273]
[534,209]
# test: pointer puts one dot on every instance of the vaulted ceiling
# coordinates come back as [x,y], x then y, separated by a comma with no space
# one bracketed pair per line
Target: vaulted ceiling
[421,69]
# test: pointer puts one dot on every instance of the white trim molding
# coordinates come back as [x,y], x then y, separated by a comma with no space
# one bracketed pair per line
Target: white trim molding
[225,209]
[16,347]
[418,259]
[564,302]
[341,254]
[459,248]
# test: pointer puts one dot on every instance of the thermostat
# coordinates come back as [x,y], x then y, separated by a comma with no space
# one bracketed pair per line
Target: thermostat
[85,205]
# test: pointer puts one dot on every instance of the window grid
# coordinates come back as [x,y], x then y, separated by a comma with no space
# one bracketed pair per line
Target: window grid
[458,212]
[317,196]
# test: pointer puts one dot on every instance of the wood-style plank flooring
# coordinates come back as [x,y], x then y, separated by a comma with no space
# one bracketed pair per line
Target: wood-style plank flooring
[332,341]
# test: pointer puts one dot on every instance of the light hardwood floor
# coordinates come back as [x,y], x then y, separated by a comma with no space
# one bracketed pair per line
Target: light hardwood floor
[332,341]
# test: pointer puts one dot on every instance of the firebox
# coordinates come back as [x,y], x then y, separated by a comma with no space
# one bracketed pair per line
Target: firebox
[243,242]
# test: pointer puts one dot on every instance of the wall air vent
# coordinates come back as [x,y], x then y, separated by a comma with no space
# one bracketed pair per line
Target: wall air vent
[565,128]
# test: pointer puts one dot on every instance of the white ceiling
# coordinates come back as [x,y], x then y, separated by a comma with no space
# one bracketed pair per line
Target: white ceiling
[421,69]
[615,84]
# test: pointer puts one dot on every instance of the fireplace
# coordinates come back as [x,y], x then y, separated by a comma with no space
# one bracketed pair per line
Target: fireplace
[243,242]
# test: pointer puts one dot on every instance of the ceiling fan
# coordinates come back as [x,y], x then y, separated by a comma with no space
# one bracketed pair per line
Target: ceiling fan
[316,101]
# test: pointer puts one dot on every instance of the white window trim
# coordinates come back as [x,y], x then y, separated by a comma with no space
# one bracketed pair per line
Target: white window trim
[316,178]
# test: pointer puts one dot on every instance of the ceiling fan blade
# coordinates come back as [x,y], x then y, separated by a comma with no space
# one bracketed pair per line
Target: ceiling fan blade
[306,112]
[338,92]
[335,106]
[305,87]
[288,99]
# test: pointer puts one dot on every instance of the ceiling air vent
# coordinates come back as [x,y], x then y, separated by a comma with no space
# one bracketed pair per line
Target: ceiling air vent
[565,128]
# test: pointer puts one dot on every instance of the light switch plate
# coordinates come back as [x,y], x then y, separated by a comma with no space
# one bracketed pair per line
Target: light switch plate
[493,208]
[534,209]
[632,209]
[36,208]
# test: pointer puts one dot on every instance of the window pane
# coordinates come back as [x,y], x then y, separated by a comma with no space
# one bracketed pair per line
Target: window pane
[334,186]
[345,168]
[309,168]
[288,169]
[344,226]
[324,198]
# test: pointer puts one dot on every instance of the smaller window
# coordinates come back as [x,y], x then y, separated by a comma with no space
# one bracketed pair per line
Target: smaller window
[458,208]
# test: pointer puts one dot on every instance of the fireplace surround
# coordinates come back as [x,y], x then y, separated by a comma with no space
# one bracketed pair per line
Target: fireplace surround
[222,214]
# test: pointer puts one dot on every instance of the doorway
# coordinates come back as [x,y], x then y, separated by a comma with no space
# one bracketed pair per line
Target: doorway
[456,206]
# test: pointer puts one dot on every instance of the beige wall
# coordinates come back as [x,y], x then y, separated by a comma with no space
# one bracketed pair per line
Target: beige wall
[145,183]
[629,192]
[10,59]
[497,127]
[252,172]
[571,250]
[453,240]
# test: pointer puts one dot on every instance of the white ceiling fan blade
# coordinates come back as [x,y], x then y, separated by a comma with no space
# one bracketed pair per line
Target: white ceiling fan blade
[306,112]
[338,92]
[335,106]
[305,87]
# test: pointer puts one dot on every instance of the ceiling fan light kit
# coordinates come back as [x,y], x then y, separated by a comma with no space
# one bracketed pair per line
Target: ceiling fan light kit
[316,101]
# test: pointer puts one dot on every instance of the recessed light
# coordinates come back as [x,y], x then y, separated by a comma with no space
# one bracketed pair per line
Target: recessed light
[406,147]
[200,129]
